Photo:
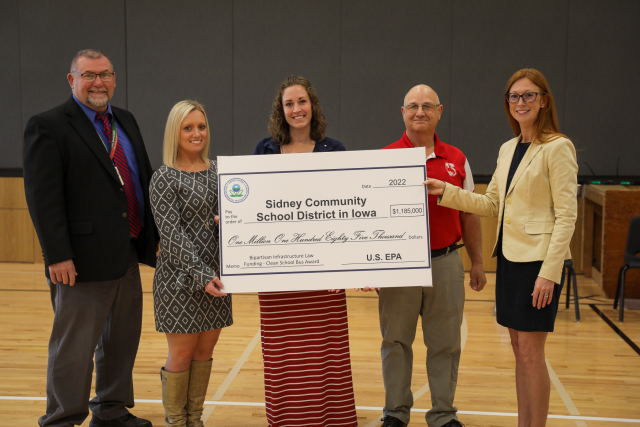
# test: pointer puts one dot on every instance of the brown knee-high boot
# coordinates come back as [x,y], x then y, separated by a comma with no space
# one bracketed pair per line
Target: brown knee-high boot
[175,386]
[198,383]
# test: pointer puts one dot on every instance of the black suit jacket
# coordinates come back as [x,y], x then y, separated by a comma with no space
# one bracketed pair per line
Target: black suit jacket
[75,197]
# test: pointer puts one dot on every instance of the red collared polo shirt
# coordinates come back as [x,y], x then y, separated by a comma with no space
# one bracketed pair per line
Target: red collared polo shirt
[446,163]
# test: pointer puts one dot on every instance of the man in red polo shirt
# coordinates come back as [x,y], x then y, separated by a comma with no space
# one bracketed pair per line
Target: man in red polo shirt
[441,306]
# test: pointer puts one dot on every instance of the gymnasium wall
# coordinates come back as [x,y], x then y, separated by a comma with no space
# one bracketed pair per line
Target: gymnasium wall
[361,55]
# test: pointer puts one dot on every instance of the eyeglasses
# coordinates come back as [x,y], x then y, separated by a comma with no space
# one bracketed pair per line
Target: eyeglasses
[528,97]
[90,77]
[413,108]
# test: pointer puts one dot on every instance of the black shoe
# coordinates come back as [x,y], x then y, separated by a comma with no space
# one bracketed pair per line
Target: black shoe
[390,421]
[453,423]
[128,420]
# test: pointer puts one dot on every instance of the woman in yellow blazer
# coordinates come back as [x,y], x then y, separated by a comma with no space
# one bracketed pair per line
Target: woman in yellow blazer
[533,194]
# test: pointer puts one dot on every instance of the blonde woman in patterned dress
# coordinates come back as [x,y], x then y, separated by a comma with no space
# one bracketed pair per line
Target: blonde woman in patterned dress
[190,306]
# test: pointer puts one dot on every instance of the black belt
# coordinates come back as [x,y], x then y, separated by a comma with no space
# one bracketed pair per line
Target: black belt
[439,252]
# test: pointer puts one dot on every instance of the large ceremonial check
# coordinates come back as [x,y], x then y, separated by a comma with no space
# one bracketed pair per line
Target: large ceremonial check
[324,221]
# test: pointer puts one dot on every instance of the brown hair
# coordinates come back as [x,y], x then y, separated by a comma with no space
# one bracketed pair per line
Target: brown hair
[278,126]
[547,127]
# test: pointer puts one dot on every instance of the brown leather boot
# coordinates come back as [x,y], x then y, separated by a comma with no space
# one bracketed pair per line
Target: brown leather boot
[198,383]
[175,386]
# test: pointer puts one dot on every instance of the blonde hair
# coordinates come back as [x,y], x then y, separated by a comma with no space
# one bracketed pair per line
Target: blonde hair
[172,132]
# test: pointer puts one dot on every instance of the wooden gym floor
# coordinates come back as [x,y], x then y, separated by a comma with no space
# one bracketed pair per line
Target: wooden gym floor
[594,365]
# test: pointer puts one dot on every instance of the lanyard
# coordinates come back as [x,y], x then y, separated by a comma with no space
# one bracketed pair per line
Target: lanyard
[114,144]
[114,137]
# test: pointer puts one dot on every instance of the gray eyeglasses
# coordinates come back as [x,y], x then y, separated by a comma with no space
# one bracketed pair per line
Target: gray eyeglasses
[413,108]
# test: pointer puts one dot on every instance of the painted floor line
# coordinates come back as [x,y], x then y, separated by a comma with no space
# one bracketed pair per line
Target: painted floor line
[617,330]
[464,332]
[418,394]
[571,407]
[23,398]
[208,410]
[374,408]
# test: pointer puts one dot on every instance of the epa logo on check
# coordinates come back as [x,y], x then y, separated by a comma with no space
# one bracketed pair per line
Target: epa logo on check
[236,190]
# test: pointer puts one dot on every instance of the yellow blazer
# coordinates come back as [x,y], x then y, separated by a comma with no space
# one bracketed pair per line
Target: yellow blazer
[540,206]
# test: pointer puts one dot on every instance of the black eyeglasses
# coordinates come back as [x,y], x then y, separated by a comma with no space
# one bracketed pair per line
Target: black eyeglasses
[90,77]
[528,97]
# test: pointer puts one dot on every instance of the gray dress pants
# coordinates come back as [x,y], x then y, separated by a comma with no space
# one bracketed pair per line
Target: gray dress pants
[93,318]
[441,308]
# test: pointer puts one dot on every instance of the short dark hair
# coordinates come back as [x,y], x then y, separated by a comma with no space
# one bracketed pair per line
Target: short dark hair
[278,126]
[89,54]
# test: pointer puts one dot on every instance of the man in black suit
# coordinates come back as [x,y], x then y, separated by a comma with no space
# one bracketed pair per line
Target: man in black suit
[86,176]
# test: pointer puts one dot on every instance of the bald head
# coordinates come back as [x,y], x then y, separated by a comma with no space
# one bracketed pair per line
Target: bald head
[423,115]
[422,90]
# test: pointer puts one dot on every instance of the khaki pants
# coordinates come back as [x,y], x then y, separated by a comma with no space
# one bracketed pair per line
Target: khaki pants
[441,308]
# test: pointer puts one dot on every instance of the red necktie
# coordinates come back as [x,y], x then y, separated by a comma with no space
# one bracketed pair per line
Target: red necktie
[120,161]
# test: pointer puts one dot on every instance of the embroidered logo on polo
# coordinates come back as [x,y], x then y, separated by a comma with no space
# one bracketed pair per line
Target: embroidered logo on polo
[451,168]
[236,190]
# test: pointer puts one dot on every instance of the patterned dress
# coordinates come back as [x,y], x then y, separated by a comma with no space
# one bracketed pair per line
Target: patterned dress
[184,205]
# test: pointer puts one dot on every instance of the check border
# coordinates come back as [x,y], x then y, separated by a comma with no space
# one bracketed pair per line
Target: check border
[239,174]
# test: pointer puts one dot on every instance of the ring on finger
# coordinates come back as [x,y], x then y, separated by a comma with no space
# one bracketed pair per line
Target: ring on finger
[546,295]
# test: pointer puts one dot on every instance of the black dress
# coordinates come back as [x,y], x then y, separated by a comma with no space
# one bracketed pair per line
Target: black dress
[515,282]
